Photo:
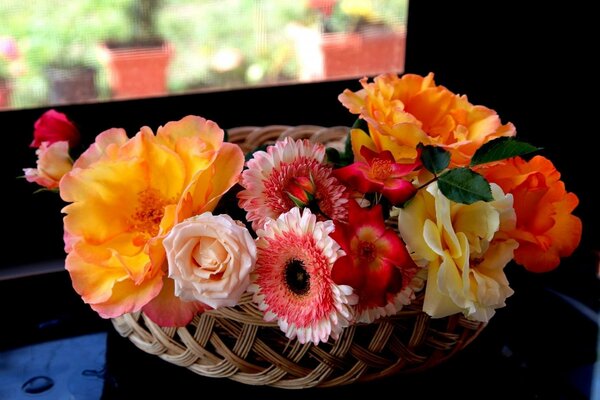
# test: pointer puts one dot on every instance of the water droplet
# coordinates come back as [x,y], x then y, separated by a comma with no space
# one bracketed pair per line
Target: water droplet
[37,384]
[100,373]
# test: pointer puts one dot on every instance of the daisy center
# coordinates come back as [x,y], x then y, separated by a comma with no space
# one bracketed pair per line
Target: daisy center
[366,251]
[381,169]
[149,211]
[296,277]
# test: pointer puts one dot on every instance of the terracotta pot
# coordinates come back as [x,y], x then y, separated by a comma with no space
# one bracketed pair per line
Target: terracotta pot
[348,55]
[137,72]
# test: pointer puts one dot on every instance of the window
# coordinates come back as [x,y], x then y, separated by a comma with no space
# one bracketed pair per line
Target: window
[78,52]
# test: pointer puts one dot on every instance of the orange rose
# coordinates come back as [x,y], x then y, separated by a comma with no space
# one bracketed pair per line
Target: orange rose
[546,230]
[403,112]
[126,195]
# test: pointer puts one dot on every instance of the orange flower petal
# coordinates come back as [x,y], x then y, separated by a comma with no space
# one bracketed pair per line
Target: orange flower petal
[211,184]
[128,297]
[546,230]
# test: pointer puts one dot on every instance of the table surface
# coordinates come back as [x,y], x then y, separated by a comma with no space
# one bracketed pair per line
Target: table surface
[542,345]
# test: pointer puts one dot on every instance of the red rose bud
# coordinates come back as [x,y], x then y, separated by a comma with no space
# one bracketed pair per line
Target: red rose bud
[54,126]
[302,191]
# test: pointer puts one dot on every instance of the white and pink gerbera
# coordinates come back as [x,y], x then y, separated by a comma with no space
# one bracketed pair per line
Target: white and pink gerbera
[273,174]
[292,281]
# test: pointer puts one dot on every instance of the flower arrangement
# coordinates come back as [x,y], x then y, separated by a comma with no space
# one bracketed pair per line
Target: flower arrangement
[430,193]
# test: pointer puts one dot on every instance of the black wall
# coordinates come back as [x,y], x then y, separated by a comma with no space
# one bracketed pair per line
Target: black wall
[529,64]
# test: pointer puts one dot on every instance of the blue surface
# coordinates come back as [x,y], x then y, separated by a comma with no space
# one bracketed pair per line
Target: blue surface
[75,366]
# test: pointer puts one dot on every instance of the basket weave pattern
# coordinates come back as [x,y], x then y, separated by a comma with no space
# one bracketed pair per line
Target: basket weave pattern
[236,343]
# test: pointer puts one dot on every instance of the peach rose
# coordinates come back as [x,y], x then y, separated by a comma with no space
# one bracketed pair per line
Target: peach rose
[52,164]
[210,258]
[546,230]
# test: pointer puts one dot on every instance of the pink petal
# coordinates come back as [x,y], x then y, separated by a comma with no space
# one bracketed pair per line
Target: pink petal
[341,235]
[113,137]
[365,218]
[398,190]
[356,175]
[346,272]
[381,280]
[401,170]
[390,248]
[168,310]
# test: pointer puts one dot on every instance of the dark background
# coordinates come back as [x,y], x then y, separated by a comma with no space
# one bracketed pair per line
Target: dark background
[532,63]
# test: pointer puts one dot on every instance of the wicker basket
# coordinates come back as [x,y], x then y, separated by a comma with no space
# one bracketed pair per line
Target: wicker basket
[236,343]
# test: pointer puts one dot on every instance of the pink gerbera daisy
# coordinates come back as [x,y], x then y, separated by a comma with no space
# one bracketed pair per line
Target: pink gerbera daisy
[274,175]
[292,280]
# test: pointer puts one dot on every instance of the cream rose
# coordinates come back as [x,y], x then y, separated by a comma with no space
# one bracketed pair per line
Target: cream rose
[52,164]
[210,258]
[463,249]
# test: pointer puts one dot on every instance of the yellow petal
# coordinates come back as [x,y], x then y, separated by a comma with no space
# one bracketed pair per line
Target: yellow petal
[450,282]
[209,185]
[411,221]
[444,221]
[93,281]
[436,303]
[191,127]
[164,168]
[432,237]
[103,198]
[106,143]
[129,297]
[359,138]
[479,222]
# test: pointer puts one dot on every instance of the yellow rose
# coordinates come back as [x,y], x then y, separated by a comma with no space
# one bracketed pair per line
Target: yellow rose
[463,250]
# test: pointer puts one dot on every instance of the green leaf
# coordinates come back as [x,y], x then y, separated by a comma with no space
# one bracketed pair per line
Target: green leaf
[434,158]
[42,190]
[501,148]
[348,153]
[341,159]
[464,186]
[362,125]
[333,156]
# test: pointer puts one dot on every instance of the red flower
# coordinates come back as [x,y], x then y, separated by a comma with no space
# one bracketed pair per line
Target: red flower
[377,264]
[301,190]
[54,126]
[379,174]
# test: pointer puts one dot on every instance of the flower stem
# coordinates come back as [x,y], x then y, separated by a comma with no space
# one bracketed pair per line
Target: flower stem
[435,178]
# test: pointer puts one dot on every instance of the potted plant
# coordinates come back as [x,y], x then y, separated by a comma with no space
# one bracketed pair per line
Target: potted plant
[137,64]
[64,56]
[72,77]
[360,37]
